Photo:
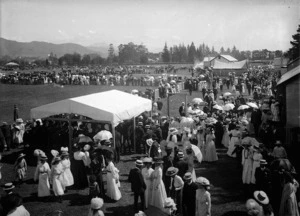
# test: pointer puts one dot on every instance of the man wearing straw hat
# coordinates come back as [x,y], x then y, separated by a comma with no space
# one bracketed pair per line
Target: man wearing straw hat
[138,185]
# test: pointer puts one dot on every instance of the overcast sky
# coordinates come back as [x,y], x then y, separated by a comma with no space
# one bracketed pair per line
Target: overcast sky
[247,24]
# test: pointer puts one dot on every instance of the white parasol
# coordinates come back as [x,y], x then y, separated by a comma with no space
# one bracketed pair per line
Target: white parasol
[243,107]
[228,107]
[197,152]
[103,135]
[186,122]
[173,82]
[84,139]
[226,94]
[134,91]
[218,107]
[211,120]
[253,105]
[197,100]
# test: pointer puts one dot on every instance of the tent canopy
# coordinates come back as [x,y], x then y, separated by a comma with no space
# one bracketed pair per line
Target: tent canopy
[230,65]
[12,64]
[113,106]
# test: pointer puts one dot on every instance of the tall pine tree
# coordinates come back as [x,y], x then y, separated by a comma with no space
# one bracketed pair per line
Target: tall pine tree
[294,52]
[192,53]
[165,54]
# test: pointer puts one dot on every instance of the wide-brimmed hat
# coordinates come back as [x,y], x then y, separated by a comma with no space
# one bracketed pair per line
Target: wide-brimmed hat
[96,203]
[19,120]
[158,161]
[278,142]
[263,162]
[140,124]
[202,181]
[56,159]
[64,149]
[171,171]
[21,155]
[147,160]
[180,154]
[8,186]
[149,142]
[147,126]
[261,197]
[64,154]
[43,157]
[139,163]
[173,131]
[187,176]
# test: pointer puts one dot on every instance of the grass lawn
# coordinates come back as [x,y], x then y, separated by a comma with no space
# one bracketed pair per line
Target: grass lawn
[224,175]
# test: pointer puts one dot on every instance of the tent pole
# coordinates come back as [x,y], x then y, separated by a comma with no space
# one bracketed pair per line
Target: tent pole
[134,141]
[185,107]
[70,133]
[114,135]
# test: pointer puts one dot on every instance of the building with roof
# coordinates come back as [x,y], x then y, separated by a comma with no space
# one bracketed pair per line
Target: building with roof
[288,94]
[210,61]
[222,68]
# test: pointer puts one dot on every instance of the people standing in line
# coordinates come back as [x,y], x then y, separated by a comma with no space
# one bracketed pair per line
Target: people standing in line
[56,178]
[20,168]
[203,199]
[189,195]
[147,172]
[42,175]
[138,185]
[113,181]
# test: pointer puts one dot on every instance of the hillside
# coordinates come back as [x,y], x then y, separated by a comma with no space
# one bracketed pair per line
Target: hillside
[40,49]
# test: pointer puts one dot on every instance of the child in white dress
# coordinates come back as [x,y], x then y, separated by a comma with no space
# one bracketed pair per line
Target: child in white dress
[113,182]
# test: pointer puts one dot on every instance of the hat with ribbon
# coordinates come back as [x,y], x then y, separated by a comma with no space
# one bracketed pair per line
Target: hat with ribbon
[261,197]
[147,160]
[149,142]
[187,176]
[96,203]
[263,162]
[171,171]
[8,186]
[139,163]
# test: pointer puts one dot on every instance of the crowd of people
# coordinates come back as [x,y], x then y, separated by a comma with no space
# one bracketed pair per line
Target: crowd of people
[164,177]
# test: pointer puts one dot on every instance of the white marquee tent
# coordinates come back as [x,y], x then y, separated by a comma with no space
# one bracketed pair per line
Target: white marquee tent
[111,106]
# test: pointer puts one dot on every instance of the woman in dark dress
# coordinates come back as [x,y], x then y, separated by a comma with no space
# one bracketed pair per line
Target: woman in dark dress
[78,168]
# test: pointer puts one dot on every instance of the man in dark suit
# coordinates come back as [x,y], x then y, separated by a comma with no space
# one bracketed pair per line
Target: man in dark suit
[189,195]
[168,162]
[138,185]
[182,165]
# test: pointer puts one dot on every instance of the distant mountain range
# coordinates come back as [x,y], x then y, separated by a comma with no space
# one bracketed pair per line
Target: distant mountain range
[42,49]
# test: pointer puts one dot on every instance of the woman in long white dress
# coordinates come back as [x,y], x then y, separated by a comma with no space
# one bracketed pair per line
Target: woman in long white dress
[112,178]
[158,190]
[67,176]
[235,139]
[56,178]
[257,156]
[146,172]
[210,151]
[225,138]
[42,173]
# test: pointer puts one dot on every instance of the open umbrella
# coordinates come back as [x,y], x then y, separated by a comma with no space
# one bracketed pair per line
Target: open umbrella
[243,107]
[197,100]
[84,139]
[186,122]
[103,135]
[218,107]
[226,94]
[197,153]
[253,105]
[228,107]
[211,120]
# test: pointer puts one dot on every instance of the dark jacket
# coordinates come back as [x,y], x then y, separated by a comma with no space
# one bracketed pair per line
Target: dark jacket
[189,198]
[182,167]
[137,181]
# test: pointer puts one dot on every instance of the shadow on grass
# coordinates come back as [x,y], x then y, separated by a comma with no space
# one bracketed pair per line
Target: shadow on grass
[120,211]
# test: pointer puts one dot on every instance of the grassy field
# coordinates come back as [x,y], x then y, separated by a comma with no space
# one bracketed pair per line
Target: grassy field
[224,175]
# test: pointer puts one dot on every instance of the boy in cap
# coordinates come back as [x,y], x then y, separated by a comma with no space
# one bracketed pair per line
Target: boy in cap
[138,185]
